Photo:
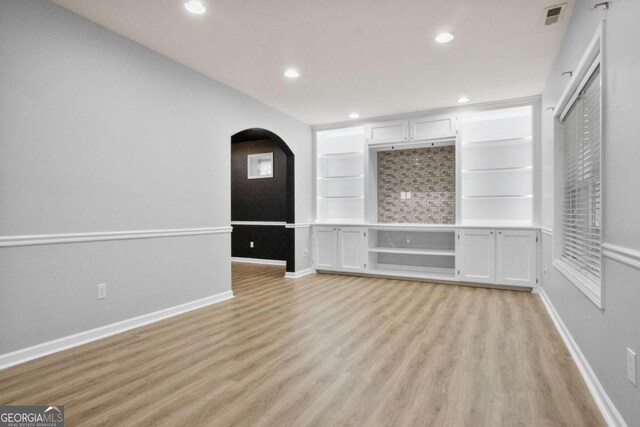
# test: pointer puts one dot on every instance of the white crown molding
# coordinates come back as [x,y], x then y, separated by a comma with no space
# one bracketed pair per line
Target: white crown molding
[298,274]
[608,409]
[64,343]
[52,239]
[259,261]
[630,257]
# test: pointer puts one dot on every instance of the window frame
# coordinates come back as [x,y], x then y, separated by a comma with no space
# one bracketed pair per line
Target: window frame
[587,66]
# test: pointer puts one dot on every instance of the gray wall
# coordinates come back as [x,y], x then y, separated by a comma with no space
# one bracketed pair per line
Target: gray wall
[603,336]
[100,134]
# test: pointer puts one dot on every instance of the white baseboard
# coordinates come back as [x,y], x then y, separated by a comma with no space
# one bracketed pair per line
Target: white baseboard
[64,343]
[608,409]
[298,274]
[259,261]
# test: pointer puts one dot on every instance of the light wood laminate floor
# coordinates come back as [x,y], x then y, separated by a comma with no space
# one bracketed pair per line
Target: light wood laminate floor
[323,350]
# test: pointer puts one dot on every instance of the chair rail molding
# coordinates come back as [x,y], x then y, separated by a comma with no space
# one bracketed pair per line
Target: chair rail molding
[53,239]
[628,256]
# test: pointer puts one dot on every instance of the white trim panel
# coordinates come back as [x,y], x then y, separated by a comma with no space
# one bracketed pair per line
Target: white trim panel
[298,274]
[60,344]
[264,223]
[53,239]
[630,257]
[300,225]
[609,411]
[259,261]
[547,231]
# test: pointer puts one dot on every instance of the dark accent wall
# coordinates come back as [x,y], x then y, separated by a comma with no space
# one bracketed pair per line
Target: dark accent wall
[263,199]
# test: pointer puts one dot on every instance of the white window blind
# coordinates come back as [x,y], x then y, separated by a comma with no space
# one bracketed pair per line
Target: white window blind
[581,207]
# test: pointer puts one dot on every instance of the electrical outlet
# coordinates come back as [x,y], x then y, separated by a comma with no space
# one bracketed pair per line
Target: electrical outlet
[408,239]
[408,194]
[102,291]
[631,367]
[545,270]
[305,252]
[251,244]
[403,195]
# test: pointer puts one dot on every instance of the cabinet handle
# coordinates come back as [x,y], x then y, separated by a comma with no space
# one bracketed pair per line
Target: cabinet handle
[491,232]
[499,232]
[334,229]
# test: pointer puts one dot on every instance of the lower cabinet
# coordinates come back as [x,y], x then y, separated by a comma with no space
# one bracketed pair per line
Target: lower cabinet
[490,256]
[503,257]
[340,248]
[476,257]
[516,258]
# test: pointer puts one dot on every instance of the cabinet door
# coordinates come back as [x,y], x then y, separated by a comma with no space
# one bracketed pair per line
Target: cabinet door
[326,256]
[388,132]
[516,258]
[476,258]
[432,127]
[351,248]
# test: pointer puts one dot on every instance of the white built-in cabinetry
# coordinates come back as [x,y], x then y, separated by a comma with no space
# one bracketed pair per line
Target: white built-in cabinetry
[503,256]
[497,167]
[405,251]
[340,248]
[477,255]
[340,169]
[427,128]
[494,239]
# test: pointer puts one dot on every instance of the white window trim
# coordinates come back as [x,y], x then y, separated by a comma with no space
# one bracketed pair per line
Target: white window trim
[591,59]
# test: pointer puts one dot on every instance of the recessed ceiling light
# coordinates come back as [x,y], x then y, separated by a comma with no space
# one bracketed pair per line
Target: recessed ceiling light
[444,37]
[195,6]
[354,115]
[292,73]
[463,99]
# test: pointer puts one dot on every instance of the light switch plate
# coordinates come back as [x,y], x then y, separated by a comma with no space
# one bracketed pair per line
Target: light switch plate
[408,194]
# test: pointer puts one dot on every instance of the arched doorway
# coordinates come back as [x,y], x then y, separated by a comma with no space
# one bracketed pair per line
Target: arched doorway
[260,207]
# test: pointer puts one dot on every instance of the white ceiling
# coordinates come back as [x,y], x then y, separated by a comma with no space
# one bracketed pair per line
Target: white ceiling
[376,57]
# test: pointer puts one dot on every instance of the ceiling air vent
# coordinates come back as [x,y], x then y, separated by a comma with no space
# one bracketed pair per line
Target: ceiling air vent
[554,14]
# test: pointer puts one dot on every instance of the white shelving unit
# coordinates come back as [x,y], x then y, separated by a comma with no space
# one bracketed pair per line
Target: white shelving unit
[497,167]
[340,175]
[411,253]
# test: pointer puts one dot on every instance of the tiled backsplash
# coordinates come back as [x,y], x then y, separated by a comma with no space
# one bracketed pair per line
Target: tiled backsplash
[429,174]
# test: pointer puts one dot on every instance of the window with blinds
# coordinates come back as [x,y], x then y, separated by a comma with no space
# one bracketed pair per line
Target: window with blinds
[582,191]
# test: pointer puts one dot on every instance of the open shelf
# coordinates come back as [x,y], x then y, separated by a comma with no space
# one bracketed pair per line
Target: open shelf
[414,251]
[340,175]
[428,254]
[497,165]
[345,154]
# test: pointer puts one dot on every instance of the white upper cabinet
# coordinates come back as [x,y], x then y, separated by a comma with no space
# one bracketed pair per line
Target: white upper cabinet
[516,258]
[414,130]
[387,132]
[432,127]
